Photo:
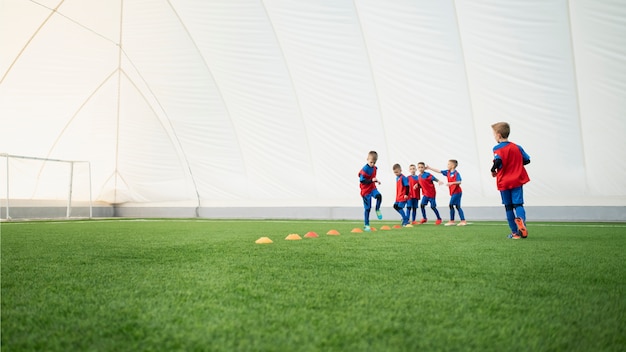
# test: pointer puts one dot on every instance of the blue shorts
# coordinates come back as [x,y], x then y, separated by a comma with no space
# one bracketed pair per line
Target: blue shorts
[400,205]
[512,196]
[425,200]
[367,199]
[413,203]
[455,199]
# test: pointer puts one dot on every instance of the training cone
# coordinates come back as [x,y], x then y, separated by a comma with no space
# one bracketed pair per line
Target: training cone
[408,225]
[397,226]
[311,234]
[356,230]
[293,237]
[263,240]
[333,233]
[385,227]
[373,229]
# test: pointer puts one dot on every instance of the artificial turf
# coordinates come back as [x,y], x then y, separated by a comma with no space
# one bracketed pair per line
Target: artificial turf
[204,285]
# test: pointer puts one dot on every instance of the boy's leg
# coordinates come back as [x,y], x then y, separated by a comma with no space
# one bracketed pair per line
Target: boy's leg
[433,206]
[461,214]
[455,200]
[517,194]
[423,208]
[399,207]
[508,207]
[367,205]
[451,212]
[379,201]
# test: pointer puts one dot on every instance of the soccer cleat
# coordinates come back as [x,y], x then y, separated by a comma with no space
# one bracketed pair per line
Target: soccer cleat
[414,223]
[521,228]
[379,214]
[423,221]
[514,236]
[367,229]
[462,223]
[438,222]
[449,223]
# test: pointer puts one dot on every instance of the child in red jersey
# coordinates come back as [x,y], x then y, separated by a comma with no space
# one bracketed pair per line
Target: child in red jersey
[508,169]
[454,183]
[402,193]
[367,183]
[429,192]
[414,195]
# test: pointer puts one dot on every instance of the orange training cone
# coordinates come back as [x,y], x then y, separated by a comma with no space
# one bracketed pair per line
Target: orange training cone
[263,240]
[311,234]
[356,230]
[397,226]
[385,227]
[293,237]
[333,233]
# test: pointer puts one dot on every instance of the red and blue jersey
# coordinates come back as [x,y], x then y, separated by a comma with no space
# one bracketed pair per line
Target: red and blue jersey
[426,183]
[512,173]
[453,176]
[413,193]
[402,188]
[366,175]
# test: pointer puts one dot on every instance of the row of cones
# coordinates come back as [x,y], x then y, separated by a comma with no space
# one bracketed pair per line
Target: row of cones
[311,234]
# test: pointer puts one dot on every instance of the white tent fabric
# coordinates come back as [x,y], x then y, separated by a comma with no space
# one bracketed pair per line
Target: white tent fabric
[276,103]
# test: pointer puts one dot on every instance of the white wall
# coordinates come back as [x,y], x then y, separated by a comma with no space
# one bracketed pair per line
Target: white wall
[276,103]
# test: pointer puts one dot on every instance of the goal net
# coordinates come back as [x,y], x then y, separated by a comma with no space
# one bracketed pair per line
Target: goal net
[36,188]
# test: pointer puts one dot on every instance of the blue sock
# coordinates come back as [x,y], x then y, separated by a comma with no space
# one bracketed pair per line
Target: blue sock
[436,213]
[461,215]
[521,213]
[451,213]
[510,217]
[423,212]
[367,217]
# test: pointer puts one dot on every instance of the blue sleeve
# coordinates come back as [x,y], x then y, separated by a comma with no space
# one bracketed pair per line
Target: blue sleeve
[524,155]
[405,181]
[444,172]
[458,176]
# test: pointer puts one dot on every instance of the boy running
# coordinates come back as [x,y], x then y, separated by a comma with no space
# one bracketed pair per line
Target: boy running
[508,169]
[402,193]
[367,183]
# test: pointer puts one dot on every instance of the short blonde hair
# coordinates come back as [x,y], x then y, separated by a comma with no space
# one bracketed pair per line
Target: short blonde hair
[373,154]
[502,128]
[397,167]
[455,162]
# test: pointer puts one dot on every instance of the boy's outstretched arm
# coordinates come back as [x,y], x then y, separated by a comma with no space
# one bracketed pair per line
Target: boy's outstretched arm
[428,167]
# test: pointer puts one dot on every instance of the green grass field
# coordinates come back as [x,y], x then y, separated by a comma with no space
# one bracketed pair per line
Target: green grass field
[204,285]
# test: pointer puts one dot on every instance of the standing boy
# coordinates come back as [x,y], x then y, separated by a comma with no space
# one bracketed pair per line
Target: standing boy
[508,169]
[454,184]
[402,193]
[414,195]
[367,182]
[429,193]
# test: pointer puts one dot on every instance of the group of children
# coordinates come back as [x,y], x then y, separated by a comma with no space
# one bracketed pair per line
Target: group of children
[508,169]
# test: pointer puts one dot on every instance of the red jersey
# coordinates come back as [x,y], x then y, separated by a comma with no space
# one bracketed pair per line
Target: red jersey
[402,184]
[413,193]
[453,176]
[513,173]
[367,173]
[426,183]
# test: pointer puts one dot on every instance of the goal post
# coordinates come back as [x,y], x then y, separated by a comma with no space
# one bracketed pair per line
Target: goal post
[44,188]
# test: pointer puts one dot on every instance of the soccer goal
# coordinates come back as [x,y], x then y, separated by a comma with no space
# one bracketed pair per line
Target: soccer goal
[36,188]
